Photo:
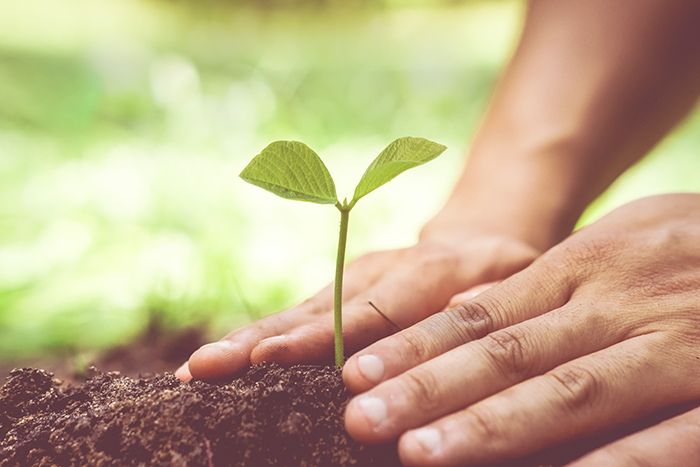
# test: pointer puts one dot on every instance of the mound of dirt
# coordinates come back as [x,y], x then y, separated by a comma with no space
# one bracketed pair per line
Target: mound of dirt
[273,416]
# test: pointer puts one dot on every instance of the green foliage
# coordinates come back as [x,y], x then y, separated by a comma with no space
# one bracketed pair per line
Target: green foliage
[291,170]
[401,155]
[42,91]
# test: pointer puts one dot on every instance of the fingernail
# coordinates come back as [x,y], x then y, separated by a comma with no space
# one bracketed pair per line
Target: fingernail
[184,372]
[371,367]
[374,409]
[429,438]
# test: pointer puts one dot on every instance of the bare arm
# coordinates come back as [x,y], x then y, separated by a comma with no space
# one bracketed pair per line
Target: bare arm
[592,87]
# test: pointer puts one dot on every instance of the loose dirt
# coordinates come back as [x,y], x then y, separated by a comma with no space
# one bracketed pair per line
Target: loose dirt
[272,416]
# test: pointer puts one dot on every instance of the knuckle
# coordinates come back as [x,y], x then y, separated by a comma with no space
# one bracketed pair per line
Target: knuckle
[506,348]
[485,424]
[415,346]
[424,389]
[578,387]
[471,320]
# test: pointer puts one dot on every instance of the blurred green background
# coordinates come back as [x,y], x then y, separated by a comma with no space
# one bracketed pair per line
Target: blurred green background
[124,125]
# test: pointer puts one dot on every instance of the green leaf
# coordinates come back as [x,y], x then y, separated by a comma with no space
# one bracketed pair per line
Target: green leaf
[399,156]
[292,170]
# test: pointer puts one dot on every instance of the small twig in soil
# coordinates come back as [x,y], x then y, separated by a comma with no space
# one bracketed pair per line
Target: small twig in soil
[210,455]
[385,316]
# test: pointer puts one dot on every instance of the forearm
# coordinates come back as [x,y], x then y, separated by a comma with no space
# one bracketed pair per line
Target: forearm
[592,87]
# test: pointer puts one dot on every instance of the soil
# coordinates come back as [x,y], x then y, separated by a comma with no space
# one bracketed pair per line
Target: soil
[272,416]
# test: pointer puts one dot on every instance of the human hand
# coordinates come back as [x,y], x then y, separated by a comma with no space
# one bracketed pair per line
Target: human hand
[407,285]
[600,330]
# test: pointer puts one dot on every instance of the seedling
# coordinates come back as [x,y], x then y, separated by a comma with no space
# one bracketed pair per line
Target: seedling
[292,170]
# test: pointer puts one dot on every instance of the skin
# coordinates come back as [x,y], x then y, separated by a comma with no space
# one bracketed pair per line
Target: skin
[304,334]
[567,342]
[673,442]
[539,359]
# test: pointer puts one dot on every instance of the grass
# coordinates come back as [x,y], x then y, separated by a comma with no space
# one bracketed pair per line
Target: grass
[124,125]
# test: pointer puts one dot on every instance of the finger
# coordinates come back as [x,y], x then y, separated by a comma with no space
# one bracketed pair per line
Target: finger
[673,442]
[398,299]
[432,274]
[468,294]
[474,371]
[314,343]
[184,373]
[532,292]
[418,283]
[577,399]
[233,353]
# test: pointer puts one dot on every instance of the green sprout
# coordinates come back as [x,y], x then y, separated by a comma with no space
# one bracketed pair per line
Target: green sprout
[292,170]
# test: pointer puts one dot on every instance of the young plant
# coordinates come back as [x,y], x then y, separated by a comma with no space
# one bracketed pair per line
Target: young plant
[292,170]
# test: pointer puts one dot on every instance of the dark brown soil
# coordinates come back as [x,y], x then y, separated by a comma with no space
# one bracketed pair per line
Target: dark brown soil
[273,416]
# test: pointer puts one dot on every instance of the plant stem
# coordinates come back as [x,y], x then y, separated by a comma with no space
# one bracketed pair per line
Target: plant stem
[338,295]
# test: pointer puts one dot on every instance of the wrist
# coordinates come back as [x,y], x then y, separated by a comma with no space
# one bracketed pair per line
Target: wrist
[531,195]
